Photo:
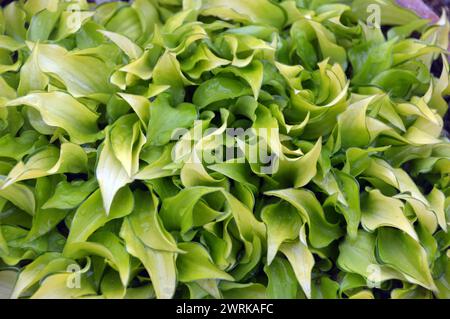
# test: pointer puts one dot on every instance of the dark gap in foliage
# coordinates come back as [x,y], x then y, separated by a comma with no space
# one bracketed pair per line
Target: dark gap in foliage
[138,185]
[436,67]
[23,263]
[72,177]
[415,35]
[62,228]
[189,93]
[447,119]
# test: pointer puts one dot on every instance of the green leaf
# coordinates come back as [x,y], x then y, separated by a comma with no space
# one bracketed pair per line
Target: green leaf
[160,265]
[357,255]
[71,158]
[223,149]
[69,195]
[375,214]
[321,233]
[20,195]
[91,215]
[147,224]
[106,245]
[283,223]
[110,173]
[223,88]
[126,142]
[302,262]
[38,269]
[167,72]
[44,220]
[62,110]
[165,120]
[406,255]
[258,12]
[324,288]
[298,172]
[196,264]
[132,50]
[83,75]
[282,281]
[55,287]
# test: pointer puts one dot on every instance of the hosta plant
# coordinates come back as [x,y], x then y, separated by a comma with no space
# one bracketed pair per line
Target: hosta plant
[223,149]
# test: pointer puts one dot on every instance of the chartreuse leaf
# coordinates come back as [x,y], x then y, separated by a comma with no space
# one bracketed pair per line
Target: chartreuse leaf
[140,105]
[201,61]
[14,21]
[9,43]
[111,286]
[132,50]
[110,173]
[55,287]
[352,124]
[91,215]
[167,72]
[8,279]
[62,110]
[252,74]
[246,222]
[259,12]
[38,269]
[106,245]
[208,286]
[322,233]
[82,75]
[18,147]
[71,158]
[160,265]
[357,256]
[351,208]
[123,20]
[70,23]
[305,32]
[147,224]
[69,195]
[283,223]
[369,59]
[20,195]
[160,131]
[406,255]
[302,262]
[325,288]
[375,213]
[44,220]
[196,264]
[253,254]
[177,212]
[223,88]
[159,166]
[233,290]
[395,15]
[223,149]
[43,23]
[411,292]
[220,244]
[437,202]
[363,294]
[142,292]
[282,281]
[31,76]
[127,141]
[299,171]
[443,281]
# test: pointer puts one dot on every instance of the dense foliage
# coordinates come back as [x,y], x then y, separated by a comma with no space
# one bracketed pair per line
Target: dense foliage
[115,121]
